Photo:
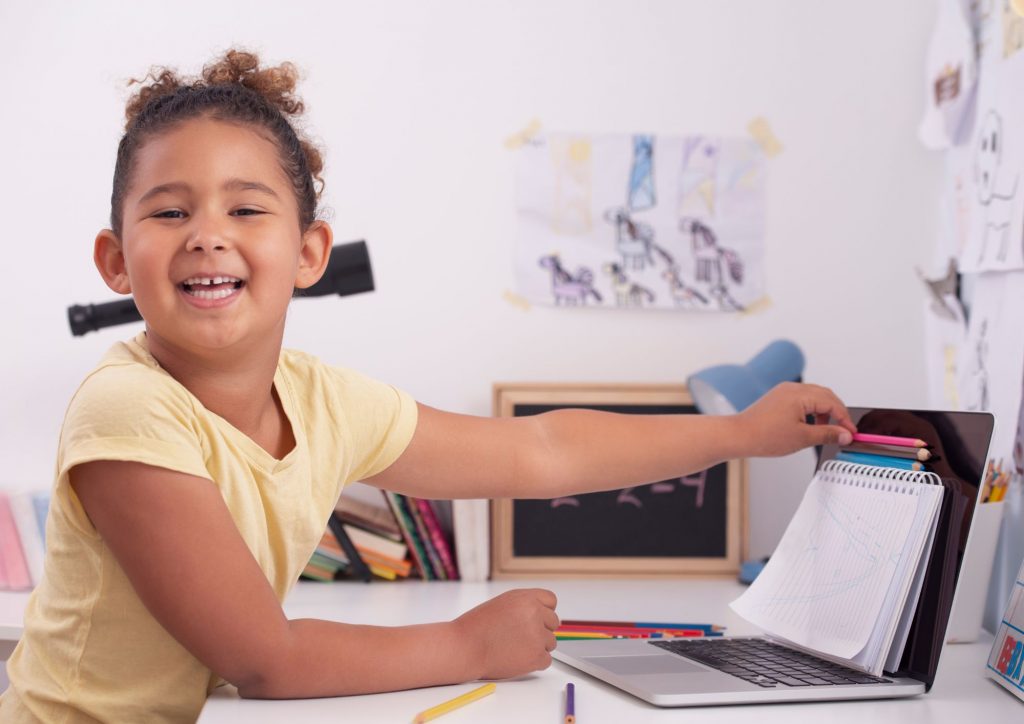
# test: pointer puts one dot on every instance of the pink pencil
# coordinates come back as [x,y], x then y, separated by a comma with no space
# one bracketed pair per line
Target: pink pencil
[888,440]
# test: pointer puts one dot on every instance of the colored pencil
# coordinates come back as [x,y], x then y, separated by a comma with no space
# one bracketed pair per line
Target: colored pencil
[884,461]
[452,704]
[643,624]
[888,440]
[911,453]
[631,630]
[570,703]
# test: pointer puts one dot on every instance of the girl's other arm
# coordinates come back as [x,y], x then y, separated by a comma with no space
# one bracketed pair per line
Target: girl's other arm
[176,541]
[572,451]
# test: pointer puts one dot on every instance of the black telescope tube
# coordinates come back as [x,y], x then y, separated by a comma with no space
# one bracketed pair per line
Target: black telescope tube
[348,272]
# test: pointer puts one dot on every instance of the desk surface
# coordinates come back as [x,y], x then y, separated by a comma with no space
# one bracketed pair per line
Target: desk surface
[961,691]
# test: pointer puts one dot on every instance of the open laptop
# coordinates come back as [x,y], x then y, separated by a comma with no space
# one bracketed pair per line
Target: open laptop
[716,671]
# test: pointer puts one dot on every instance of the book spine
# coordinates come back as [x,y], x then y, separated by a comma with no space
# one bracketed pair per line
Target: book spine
[439,539]
[470,519]
[408,528]
[421,528]
[41,504]
[18,578]
[359,568]
[28,533]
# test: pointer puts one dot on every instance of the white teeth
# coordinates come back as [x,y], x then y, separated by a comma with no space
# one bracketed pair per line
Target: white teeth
[218,294]
[209,281]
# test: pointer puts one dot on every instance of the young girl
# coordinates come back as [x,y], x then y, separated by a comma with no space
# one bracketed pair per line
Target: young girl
[199,462]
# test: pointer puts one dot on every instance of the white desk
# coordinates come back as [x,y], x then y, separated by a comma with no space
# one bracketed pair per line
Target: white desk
[962,694]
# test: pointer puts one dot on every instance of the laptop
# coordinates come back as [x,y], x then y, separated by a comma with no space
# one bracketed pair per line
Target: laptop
[748,670]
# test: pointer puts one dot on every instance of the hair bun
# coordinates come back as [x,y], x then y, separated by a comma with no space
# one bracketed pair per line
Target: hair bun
[276,84]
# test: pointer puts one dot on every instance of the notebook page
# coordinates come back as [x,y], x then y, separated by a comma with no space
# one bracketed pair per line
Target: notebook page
[927,489]
[910,605]
[825,584]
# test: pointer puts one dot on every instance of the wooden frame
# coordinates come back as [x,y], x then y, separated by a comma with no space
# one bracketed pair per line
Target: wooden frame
[509,561]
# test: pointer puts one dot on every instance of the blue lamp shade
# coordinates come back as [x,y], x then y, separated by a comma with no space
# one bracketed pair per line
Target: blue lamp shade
[727,389]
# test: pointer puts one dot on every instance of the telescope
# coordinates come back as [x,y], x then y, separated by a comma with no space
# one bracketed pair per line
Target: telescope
[348,272]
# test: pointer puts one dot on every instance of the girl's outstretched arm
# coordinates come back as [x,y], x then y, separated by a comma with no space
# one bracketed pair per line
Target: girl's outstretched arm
[572,451]
[176,541]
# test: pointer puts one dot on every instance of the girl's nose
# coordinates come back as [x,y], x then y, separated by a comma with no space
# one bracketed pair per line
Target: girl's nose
[207,236]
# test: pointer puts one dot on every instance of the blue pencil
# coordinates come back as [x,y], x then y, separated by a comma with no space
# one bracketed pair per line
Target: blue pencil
[885,461]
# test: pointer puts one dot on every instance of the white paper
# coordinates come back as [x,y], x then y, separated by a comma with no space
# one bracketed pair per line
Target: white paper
[951,76]
[641,221]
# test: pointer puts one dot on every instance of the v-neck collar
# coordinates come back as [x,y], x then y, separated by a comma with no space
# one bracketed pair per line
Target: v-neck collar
[253,450]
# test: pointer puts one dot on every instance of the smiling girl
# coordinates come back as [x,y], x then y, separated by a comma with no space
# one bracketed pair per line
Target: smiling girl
[199,462]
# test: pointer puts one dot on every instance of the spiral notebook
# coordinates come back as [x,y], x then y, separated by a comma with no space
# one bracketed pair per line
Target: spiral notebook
[844,581]
[856,599]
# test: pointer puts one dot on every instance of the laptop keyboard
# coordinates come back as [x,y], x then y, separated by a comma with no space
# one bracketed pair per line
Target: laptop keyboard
[765,663]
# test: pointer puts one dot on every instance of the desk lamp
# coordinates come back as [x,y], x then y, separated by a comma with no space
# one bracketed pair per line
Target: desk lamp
[728,389]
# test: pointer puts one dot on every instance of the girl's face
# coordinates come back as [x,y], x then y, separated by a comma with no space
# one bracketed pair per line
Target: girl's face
[211,247]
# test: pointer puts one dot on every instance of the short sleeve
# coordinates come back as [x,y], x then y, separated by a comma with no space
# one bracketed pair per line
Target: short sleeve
[356,426]
[376,420]
[132,413]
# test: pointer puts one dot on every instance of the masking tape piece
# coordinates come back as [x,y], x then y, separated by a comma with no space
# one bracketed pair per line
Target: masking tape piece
[758,305]
[515,300]
[521,138]
[765,137]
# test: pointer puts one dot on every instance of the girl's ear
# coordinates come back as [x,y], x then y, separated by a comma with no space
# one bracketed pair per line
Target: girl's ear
[314,254]
[109,259]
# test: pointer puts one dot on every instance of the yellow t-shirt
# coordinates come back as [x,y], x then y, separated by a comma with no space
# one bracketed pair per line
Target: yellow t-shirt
[91,650]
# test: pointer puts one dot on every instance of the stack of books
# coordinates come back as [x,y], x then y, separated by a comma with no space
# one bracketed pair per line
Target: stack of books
[400,539]
[22,539]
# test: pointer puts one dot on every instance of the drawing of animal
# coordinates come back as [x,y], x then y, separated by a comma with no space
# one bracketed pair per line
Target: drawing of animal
[996,192]
[633,239]
[627,293]
[682,295]
[569,289]
[716,266]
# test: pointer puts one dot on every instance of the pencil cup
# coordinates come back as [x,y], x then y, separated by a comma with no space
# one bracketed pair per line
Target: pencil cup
[972,585]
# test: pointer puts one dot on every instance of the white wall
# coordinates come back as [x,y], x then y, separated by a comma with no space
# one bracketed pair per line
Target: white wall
[412,101]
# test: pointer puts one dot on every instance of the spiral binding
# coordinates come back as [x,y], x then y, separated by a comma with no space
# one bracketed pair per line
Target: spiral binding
[874,476]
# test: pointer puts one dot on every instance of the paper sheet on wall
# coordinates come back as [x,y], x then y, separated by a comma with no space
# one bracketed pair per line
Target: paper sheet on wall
[992,358]
[641,221]
[996,231]
[951,76]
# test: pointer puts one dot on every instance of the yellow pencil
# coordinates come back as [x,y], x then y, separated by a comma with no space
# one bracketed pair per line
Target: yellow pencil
[445,707]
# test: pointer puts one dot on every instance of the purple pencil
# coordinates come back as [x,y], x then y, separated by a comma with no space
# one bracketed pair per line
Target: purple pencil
[570,704]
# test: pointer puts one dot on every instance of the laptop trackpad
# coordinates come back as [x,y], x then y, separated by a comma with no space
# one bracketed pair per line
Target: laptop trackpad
[645,664]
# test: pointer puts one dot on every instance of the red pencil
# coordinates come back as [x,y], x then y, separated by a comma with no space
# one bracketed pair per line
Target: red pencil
[637,631]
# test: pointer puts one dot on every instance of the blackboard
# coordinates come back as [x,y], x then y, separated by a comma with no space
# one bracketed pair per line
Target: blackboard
[691,525]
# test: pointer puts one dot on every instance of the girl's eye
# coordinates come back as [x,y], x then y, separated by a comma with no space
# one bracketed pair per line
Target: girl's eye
[170,214]
[247,212]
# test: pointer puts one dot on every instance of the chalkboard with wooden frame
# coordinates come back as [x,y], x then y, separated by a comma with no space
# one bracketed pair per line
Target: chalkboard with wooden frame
[690,526]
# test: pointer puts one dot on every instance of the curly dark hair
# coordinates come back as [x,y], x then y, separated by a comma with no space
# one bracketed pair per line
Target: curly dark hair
[235,89]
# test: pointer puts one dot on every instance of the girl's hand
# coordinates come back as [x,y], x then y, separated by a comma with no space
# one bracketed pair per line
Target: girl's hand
[777,424]
[512,634]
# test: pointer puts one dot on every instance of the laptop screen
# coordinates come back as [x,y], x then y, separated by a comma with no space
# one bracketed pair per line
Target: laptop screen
[959,443]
